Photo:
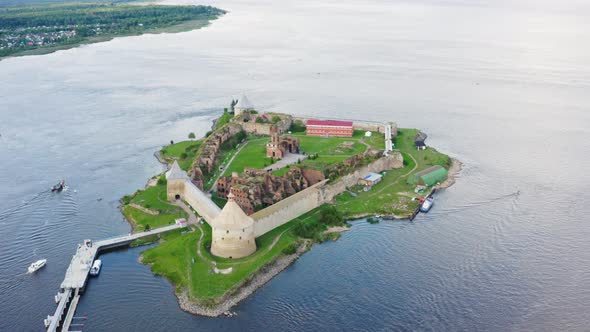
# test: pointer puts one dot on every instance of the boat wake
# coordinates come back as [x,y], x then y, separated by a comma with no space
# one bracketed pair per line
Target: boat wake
[513,197]
[6,214]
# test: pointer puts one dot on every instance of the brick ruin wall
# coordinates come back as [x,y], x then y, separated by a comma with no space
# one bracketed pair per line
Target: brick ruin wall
[306,200]
[264,128]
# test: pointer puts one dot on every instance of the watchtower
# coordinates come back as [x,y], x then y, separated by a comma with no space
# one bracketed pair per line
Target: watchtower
[176,179]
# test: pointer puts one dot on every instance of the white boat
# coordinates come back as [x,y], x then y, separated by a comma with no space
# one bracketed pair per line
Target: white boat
[95,269]
[427,204]
[37,265]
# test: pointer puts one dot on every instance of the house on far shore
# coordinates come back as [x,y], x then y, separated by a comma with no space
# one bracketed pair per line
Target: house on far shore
[243,104]
[419,141]
[370,179]
[329,128]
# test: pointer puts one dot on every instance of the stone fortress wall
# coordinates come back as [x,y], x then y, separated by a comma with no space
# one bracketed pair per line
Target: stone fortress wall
[306,200]
[392,161]
[288,209]
[252,127]
[234,232]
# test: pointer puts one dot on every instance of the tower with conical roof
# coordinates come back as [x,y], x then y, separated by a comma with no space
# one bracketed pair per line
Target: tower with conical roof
[233,232]
[175,179]
[243,104]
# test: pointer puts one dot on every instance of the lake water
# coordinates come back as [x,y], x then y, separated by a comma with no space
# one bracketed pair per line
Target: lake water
[502,85]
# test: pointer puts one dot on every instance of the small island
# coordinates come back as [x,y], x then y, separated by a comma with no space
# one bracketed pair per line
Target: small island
[260,189]
[42,29]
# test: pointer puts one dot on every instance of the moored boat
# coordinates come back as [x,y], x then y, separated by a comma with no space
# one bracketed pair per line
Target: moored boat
[37,265]
[427,204]
[95,269]
[59,187]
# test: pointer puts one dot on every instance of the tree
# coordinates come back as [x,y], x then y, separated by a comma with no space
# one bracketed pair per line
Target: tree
[276,118]
[191,136]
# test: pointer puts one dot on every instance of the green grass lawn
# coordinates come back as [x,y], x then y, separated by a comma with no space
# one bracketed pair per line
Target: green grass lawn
[153,198]
[223,120]
[377,140]
[140,219]
[177,151]
[393,194]
[252,155]
[174,260]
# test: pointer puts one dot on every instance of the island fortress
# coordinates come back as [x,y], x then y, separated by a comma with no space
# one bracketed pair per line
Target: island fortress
[235,233]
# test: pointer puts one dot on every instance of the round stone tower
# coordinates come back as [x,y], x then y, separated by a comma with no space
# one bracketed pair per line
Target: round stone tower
[175,179]
[233,232]
[243,104]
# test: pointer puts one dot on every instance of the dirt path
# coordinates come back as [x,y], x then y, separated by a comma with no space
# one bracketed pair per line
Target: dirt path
[193,220]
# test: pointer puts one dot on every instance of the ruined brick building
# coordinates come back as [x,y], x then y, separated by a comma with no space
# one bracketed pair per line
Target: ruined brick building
[255,189]
[278,147]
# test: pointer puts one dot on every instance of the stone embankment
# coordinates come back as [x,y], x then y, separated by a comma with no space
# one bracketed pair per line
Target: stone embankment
[247,287]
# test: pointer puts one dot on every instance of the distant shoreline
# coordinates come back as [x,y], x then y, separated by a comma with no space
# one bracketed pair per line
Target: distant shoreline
[176,28]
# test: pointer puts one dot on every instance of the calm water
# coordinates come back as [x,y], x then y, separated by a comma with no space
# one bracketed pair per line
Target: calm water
[502,85]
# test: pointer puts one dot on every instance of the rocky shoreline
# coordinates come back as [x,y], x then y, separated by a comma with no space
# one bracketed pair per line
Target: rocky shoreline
[454,170]
[259,279]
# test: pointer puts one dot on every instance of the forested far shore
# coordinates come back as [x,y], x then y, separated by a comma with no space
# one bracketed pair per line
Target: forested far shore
[49,27]
[17,3]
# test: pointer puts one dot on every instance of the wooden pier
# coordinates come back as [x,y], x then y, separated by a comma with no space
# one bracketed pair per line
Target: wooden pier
[77,275]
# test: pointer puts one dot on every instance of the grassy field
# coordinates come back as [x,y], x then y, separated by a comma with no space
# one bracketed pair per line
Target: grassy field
[184,152]
[153,198]
[330,150]
[223,120]
[393,194]
[251,155]
[174,260]
[177,259]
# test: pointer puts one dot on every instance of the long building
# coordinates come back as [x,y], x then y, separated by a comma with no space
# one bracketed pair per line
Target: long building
[329,128]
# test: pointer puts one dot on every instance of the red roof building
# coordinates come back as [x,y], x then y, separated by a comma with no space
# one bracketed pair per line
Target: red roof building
[329,128]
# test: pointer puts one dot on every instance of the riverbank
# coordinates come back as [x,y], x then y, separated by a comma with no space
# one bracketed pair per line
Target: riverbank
[94,23]
[247,288]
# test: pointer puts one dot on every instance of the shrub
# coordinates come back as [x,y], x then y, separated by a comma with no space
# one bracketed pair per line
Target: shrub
[290,249]
[275,119]
[126,199]
[162,180]
[372,220]
[297,126]
[259,120]
[183,155]
[330,216]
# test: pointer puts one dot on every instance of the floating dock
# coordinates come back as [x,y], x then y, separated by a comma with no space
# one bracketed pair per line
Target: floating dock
[77,275]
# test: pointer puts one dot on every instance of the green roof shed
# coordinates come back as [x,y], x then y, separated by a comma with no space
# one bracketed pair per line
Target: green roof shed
[429,176]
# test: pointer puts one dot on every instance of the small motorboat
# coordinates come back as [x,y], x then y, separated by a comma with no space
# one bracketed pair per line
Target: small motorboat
[95,269]
[37,265]
[426,204]
[59,187]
